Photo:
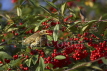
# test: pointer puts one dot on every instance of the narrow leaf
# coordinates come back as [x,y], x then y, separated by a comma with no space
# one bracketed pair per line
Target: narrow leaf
[19,12]
[95,67]
[32,3]
[104,60]
[2,47]
[4,55]
[7,16]
[54,1]
[38,69]
[49,12]
[63,8]
[51,4]
[35,59]
[16,62]
[101,27]
[41,64]
[28,62]
[105,33]
[88,25]
[11,29]
[37,26]
[55,32]
[60,57]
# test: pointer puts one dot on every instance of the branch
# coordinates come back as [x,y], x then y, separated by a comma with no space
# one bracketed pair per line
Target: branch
[3,16]
[83,64]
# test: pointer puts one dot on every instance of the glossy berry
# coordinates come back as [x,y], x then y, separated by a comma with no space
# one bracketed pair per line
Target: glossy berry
[3,40]
[1,62]
[7,60]
[27,56]
[33,52]
[16,34]
[15,56]
[25,68]
[20,23]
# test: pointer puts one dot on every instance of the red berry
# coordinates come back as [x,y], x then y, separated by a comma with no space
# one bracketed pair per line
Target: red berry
[33,52]
[1,62]
[9,69]
[20,23]
[15,56]
[31,31]
[7,60]
[27,56]
[3,40]
[25,68]
[13,32]
[16,34]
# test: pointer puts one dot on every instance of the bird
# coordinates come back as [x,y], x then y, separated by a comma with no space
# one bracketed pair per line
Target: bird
[36,39]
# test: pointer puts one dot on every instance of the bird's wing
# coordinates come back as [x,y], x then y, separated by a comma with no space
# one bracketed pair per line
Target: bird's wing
[36,42]
[29,39]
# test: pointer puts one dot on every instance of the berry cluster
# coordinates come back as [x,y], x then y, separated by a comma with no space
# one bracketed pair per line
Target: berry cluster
[55,62]
[100,50]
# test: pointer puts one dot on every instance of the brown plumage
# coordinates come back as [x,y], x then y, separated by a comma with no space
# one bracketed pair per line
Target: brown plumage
[37,39]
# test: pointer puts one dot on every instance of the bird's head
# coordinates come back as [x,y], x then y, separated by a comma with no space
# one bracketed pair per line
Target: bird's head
[43,32]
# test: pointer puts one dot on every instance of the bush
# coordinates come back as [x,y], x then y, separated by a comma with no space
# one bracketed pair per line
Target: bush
[70,41]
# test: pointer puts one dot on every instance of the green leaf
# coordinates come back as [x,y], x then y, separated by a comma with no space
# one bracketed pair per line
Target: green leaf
[97,34]
[47,70]
[11,29]
[101,27]
[36,28]
[75,23]
[38,68]
[88,64]
[88,25]
[28,49]
[31,1]
[51,4]
[104,16]
[16,62]
[49,38]
[8,16]
[104,60]
[28,62]
[63,8]
[2,69]
[41,64]
[105,33]
[59,69]
[19,12]
[54,1]
[32,27]
[55,32]
[98,68]
[35,59]
[4,55]
[50,65]
[2,47]
[7,27]
[60,57]
[8,37]
[49,12]
[79,65]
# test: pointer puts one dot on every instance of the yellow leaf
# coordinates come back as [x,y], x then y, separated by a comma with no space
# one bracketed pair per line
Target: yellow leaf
[89,3]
